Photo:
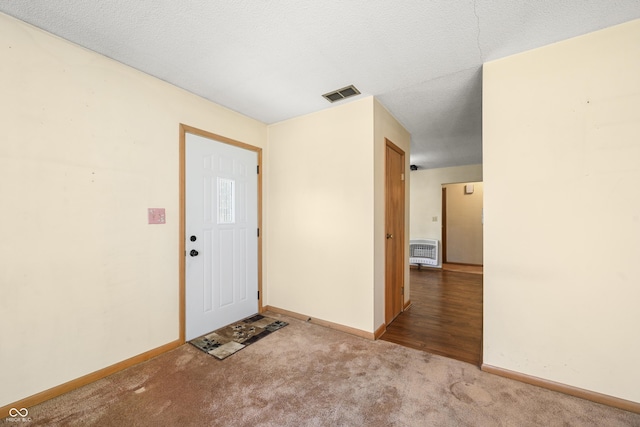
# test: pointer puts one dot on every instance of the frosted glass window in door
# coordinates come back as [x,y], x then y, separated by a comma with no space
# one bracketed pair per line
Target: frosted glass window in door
[226,201]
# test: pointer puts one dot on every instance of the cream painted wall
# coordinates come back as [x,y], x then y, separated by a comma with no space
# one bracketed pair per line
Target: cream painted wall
[320,247]
[88,145]
[387,127]
[562,212]
[426,198]
[325,215]
[464,223]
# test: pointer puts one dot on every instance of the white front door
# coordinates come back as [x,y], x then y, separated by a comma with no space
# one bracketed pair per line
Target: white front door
[221,202]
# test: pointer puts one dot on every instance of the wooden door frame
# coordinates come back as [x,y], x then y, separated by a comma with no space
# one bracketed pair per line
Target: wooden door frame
[184,129]
[394,147]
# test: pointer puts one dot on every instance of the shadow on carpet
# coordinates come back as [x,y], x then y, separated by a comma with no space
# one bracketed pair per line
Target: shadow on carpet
[228,340]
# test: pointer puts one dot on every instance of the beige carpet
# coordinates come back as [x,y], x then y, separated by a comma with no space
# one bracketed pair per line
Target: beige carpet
[307,375]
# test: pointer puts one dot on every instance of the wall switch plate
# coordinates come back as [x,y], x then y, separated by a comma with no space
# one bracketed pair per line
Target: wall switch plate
[157,216]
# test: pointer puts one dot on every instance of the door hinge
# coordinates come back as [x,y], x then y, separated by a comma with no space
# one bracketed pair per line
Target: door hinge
[401,177]
[402,290]
[258,294]
[258,232]
[258,169]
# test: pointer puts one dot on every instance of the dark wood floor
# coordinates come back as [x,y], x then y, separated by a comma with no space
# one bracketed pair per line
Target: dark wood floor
[445,316]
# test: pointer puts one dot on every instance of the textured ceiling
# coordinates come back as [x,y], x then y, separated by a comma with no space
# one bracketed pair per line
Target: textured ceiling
[272,60]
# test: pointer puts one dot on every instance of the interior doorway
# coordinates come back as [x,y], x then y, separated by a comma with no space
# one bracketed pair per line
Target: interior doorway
[445,316]
[462,223]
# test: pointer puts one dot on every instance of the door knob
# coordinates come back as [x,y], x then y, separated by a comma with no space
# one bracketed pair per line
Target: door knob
[193,252]
[389,236]
[193,238]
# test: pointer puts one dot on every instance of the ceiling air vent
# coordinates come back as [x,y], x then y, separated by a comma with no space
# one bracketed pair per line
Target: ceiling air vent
[343,93]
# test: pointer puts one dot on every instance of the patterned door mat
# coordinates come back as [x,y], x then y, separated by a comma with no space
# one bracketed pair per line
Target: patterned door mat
[228,340]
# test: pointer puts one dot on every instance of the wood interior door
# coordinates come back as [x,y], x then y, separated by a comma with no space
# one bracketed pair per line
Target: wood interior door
[394,224]
[443,218]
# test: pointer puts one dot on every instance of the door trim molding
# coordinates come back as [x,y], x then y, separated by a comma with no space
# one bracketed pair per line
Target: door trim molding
[184,129]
